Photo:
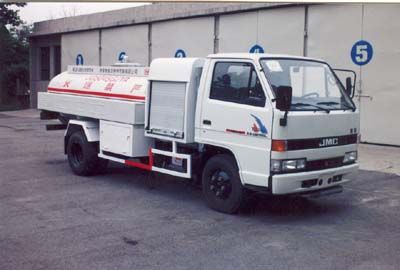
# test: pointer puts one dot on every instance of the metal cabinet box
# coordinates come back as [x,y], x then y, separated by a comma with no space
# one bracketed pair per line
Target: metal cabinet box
[124,139]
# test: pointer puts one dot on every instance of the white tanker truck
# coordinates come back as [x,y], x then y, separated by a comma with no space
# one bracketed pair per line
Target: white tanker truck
[241,123]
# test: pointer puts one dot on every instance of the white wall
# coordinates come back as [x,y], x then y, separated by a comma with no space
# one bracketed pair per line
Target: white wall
[281,30]
[380,77]
[133,40]
[194,36]
[276,30]
[85,43]
[237,32]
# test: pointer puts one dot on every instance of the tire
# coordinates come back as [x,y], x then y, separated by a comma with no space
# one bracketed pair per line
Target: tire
[82,155]
[222,188]
[101,166]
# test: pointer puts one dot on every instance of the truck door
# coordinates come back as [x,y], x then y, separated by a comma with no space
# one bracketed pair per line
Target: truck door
[237,115]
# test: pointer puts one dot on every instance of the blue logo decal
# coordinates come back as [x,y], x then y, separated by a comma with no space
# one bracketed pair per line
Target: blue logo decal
[180,53]
[121,56]
[361,52]
[259,126]
[256,49]
[79,59]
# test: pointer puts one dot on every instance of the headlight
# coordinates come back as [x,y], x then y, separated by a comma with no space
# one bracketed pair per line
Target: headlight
[288,165]
[350,157]
[276,165]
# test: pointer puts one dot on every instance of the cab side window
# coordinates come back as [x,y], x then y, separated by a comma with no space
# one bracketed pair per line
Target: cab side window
[237,82]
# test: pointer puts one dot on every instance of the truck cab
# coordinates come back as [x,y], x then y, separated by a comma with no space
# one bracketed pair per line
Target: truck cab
[307,145]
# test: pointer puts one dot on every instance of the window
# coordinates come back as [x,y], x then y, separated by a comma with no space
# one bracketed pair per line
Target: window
[57,60]
[237,82]
[45,63]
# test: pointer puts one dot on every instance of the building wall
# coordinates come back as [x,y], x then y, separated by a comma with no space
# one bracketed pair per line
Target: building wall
[326,31]
[132,40]
[380,80]
[282,30]
[83,43]
[194,36]
[36,84]
[275,30]
[237,32]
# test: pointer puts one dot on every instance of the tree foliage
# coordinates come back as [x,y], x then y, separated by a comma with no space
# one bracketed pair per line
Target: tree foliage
[14,50]
[17,66]
[9,16]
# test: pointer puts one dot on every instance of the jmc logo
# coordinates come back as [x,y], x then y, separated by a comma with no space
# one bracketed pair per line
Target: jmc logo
[329,142]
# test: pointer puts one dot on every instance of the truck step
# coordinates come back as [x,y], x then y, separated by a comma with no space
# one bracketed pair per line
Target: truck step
[56,127]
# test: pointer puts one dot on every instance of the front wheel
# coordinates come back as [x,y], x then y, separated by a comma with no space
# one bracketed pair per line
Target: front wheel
[222,188]
[82,155]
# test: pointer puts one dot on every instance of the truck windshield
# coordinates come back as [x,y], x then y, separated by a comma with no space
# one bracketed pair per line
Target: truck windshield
[313,83]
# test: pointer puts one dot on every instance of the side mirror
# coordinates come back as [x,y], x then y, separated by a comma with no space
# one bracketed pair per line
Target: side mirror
[350,81]
[283,98]
[349,86]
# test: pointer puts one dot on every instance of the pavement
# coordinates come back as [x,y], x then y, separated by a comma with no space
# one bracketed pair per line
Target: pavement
[127,219]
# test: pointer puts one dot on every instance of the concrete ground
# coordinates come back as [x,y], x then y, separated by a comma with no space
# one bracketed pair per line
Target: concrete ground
[52,219]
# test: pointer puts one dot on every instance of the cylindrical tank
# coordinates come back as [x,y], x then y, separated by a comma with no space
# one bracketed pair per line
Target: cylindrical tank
[126,83]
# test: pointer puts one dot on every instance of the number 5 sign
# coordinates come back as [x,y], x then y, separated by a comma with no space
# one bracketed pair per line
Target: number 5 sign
[361,52]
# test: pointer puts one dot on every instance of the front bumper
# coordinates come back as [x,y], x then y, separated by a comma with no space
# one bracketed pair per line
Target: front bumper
[292,183]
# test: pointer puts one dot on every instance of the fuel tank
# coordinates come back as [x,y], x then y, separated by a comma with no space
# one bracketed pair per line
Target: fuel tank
[110,82]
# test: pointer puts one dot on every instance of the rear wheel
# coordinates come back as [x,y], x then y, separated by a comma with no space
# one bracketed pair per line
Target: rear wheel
[82,155]
[222,188]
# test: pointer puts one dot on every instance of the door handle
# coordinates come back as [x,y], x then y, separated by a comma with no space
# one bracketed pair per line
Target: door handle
[207,122]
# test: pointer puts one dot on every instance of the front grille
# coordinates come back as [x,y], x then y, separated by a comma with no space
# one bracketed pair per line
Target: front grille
[315,143]
[321,164]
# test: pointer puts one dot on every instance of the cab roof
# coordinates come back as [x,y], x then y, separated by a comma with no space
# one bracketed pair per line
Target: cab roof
[257,56]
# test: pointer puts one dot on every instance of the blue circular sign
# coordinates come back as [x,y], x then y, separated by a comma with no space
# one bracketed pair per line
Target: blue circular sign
[121,56]
[361,52]
[79,59]
[180,53]
[256,49]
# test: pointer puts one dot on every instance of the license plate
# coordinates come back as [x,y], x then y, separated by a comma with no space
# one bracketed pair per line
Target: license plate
[325,177]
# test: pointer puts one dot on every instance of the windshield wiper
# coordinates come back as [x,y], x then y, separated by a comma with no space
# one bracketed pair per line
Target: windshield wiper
[312,105]
[330,103]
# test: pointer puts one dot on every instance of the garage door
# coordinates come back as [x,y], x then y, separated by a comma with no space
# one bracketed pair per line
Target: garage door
[82,47]
[380,77]
[274,30]
[131,41]
[189,37]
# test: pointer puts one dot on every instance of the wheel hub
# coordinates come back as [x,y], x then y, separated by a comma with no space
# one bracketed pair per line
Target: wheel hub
[220,184]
